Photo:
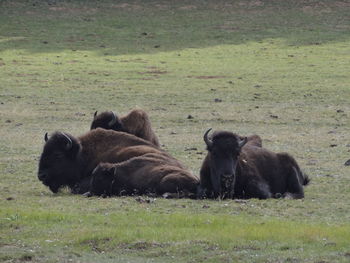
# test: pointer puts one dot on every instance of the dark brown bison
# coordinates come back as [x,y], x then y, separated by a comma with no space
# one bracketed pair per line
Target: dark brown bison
[149,173]
[237,168]
[136,122]
[69,161]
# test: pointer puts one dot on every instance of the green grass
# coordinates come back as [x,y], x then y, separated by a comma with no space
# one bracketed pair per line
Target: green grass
[232,65]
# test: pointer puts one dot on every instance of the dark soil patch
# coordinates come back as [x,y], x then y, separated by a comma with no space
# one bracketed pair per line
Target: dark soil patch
[207,77]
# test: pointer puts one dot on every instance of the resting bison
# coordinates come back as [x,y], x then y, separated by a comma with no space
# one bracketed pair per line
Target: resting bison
[232,171]
[69,161]
[149,173]
[136,123]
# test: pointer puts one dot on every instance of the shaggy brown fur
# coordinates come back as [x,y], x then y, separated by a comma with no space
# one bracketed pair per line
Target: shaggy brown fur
[136,122]
[69,161]
[236,169]
[149,173]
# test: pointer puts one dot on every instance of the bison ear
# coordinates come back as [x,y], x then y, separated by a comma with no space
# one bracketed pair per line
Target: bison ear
[241,143]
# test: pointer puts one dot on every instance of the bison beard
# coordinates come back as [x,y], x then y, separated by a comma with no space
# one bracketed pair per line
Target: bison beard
[69,161]
[255,172]
[136,122]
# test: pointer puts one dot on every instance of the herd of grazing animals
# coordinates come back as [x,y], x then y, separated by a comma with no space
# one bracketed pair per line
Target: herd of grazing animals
[122,156]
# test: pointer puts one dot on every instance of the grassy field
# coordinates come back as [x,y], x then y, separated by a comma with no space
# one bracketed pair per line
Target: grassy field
[280,69]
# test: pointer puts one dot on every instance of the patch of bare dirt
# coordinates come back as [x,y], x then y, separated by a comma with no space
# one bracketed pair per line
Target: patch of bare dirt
[127,6]
[188,7]
[228,28]
[254,3]
[143,245]
[316,9]
[207,77]
[71,10]
[342,4]
[154,72]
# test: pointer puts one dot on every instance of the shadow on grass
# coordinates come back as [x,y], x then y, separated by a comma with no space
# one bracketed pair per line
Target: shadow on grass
[133,27]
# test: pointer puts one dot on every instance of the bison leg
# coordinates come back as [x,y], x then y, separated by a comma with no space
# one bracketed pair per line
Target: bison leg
[257,189]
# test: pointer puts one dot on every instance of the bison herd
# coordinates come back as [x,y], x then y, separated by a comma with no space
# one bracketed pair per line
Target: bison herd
[122,156]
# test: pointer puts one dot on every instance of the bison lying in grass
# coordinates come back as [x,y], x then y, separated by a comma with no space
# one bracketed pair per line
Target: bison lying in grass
[69,161]
[149,173]
[237,168]
[136,122]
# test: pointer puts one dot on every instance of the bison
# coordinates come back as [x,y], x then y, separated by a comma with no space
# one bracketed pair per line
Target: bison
[69,161]
[147,174]
[240,168]
[136,122]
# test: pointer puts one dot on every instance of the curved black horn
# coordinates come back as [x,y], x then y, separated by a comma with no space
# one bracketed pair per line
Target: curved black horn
[46,137]
[69,141]
[243,142]
[95,114]
[208,142]
[113,121]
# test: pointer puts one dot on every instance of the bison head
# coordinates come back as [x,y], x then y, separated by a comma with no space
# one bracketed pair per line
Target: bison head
[103,178]
[223,150]
[106,120]
[59,163]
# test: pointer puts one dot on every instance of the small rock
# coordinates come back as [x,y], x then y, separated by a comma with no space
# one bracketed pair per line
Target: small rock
[87,194]
[347,163]
[166,195]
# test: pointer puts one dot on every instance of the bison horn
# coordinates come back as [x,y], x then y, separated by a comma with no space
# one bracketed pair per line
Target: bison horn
[113,121]
[69,141]
[243,142]
[208,142]
[95,114]
[46,137]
